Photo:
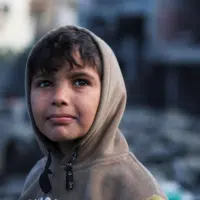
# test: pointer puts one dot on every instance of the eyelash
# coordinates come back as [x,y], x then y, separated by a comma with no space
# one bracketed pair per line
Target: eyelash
[50,83]
[86,82]
[38,84]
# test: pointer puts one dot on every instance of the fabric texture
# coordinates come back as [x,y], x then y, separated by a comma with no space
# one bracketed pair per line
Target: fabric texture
[100,166]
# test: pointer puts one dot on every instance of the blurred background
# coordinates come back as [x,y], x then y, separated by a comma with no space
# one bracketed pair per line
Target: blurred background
[157,43]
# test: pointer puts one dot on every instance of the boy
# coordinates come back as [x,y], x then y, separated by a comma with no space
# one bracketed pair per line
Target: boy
[76,97]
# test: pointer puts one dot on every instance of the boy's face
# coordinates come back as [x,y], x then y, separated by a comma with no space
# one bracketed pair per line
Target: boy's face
[64,104]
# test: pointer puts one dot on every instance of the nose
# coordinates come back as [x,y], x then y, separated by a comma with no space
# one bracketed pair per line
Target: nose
[60,96]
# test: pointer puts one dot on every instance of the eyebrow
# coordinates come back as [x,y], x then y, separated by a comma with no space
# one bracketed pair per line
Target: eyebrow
[80,74]
[41,75]
[71,75]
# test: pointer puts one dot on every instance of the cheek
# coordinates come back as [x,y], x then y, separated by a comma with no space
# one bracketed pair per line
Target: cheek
[95,100]
[34,106]
[38,104]
[88,106]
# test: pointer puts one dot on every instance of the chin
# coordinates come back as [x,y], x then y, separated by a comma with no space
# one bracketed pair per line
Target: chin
[60,136]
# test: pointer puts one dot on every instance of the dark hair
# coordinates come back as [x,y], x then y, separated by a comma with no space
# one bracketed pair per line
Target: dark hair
[57,48]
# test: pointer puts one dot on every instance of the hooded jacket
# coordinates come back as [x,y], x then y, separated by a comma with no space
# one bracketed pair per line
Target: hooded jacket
[100,167]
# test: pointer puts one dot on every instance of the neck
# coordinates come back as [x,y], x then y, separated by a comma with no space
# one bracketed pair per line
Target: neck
[67,147]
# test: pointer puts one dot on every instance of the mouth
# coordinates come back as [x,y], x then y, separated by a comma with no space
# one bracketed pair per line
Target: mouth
[61,119]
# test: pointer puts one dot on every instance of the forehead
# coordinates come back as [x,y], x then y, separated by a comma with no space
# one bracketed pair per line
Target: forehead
[50,67]
[87,69]
[67,69]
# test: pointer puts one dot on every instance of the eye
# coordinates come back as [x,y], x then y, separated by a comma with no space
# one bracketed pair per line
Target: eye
[44,83]
[81,82]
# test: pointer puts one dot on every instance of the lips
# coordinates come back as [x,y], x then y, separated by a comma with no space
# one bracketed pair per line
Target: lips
[61,119]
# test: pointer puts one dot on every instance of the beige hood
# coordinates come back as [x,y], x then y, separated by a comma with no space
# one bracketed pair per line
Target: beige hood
[103,137]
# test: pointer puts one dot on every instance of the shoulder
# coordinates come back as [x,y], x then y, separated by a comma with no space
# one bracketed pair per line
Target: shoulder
[142,179]
[33,175]
[131,178]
